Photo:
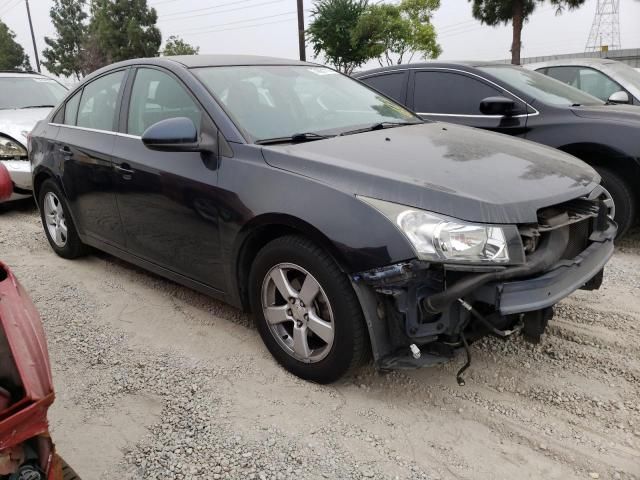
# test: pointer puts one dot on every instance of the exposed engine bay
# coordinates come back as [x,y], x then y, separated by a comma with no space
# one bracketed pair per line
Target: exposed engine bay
[423,313]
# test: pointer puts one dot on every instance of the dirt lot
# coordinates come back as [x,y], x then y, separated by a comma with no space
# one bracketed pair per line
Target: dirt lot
[156,381]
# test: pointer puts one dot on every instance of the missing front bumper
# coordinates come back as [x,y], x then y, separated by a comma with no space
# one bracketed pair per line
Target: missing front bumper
[392,299]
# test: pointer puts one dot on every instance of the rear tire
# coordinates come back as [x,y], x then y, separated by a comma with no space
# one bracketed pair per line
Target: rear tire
[342,342]
[623,198]
[57,222]
[67,472]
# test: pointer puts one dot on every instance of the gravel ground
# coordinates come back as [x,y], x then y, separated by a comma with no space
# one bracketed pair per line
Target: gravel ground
[155,381]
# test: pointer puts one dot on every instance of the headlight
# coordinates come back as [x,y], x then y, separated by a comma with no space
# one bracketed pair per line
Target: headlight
[439,238]
[10,149]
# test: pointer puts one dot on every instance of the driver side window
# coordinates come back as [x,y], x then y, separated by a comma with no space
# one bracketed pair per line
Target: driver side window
[158,96]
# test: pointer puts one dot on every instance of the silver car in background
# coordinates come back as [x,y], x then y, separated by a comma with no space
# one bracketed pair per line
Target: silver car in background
[603,78]
[25,98]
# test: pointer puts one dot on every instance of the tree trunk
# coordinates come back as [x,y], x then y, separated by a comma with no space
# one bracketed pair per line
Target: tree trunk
[516,45]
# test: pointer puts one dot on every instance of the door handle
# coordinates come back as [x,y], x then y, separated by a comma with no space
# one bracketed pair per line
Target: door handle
[66,151]
[125,170]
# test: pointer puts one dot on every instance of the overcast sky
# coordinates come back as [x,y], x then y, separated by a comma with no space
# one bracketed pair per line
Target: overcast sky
[268,27]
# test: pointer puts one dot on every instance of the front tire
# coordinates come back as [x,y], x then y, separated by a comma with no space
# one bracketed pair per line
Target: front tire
[306,310]
[623,198]
[57,222]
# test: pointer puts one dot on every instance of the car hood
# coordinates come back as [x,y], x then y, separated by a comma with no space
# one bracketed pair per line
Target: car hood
[620,113]
[452,170]
[18,123]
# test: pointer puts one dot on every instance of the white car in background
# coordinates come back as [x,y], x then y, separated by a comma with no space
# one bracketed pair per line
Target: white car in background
[25,99]
[606,79]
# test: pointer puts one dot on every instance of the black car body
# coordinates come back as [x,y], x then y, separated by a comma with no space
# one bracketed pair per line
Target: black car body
[527,105]
[199,173]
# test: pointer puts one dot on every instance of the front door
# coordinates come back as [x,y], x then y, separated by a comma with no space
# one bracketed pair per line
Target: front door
[454,96]
[168,201]
[84,146]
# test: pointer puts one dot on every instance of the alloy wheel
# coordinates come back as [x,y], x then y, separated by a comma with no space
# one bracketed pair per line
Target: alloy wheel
[54,216]
[298,312]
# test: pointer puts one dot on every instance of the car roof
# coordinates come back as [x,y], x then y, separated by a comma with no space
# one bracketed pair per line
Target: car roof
[197,61]
[572,61]
[194,61]
[432,64]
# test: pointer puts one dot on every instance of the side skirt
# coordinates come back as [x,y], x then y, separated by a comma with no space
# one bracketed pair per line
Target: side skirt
[157,269]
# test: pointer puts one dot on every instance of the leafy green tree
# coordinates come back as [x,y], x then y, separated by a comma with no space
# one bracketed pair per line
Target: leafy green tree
[494,12]
[12,56]
[121,30]
[395,31]
[63,54]
[177,46]
[331,33]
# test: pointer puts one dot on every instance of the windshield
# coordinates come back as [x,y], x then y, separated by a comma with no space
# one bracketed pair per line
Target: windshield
[25,92]
[281,101]
[625,73]
[540,87]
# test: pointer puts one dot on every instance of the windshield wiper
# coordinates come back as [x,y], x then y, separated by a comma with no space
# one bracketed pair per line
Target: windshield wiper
[379,126]
[295,138]
[37,106]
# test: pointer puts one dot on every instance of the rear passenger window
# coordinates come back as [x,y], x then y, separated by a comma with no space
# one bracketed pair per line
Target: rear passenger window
[391,84]
[71,109]
[98,103]
[158,96]
[450,93]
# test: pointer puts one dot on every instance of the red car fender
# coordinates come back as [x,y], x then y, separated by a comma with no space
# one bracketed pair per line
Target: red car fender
[6,185]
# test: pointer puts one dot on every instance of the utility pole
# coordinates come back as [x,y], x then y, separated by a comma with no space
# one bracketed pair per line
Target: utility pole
[301,43]
[33,37]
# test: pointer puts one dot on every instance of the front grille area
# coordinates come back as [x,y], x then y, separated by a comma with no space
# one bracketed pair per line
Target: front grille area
[581,216]
[578,239]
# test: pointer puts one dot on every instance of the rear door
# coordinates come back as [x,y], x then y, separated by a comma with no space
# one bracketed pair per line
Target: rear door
[454,96]
[84,146]
[168,200]
[392,84]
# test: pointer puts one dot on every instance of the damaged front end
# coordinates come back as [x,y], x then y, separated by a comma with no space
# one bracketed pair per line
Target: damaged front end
[420,313]
[26,389]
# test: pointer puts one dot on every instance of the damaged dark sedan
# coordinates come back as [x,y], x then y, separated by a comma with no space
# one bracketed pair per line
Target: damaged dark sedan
[346,224]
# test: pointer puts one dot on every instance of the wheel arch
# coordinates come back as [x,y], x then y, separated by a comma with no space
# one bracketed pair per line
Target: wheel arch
[39,178]
[265,228]
[601,155]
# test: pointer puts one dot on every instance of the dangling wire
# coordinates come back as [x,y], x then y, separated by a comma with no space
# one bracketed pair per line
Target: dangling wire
[468,362]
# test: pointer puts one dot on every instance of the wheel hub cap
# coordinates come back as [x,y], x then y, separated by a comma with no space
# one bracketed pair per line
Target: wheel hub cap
[298,312]
[55,220]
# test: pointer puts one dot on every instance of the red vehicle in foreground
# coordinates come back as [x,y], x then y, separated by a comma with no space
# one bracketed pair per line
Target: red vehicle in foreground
[26,388]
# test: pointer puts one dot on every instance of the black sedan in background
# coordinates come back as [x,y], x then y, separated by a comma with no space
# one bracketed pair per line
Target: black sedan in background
[344,222]
[512,100]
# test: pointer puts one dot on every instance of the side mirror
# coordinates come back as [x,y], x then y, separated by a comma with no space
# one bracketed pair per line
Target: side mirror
[6,185]
[172,135]
[497,106]
[619,97]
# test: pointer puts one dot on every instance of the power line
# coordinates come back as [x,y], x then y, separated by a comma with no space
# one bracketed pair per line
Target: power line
[237,28]
[163,17]
[8,9]
[214,7]
[213,27]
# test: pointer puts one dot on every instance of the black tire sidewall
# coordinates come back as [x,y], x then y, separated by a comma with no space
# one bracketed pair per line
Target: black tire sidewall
[623,198]
[347,313]
[74,246]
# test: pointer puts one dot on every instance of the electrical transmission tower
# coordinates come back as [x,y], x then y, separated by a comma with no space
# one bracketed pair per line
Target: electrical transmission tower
[605,30]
